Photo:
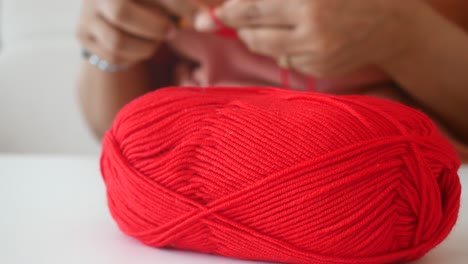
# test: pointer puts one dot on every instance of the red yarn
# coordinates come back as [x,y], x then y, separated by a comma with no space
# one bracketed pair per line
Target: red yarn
[284,75]
[278,175]
[285,78]
[223,30]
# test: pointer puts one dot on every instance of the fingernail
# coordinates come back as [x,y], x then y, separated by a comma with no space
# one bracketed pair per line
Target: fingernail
[204,22]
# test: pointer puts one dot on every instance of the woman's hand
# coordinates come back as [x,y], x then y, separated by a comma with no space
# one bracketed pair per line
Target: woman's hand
[319,37]
[126,32]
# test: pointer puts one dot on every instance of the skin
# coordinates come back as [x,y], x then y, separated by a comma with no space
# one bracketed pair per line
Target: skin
[124,32]
[438,83]
[319,42]
[329,38]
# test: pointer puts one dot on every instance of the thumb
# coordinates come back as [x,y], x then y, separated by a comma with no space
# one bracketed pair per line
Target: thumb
[231,14]
[183,9]
[209,20]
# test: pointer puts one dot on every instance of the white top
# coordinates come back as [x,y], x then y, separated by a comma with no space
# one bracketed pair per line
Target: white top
[53,210]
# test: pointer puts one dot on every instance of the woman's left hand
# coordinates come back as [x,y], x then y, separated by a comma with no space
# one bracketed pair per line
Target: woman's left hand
[322,38]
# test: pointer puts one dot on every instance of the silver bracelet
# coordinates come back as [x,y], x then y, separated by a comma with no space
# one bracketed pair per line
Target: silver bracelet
[103,65]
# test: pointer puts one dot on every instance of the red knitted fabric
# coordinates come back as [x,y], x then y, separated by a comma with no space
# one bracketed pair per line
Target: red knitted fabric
[278,175]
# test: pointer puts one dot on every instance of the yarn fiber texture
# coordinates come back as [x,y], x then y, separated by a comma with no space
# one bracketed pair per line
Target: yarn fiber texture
[276,175]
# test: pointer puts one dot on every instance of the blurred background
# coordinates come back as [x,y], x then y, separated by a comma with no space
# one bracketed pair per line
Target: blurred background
[39,62]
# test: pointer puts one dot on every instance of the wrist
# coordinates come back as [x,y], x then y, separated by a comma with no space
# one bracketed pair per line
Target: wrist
[410,34]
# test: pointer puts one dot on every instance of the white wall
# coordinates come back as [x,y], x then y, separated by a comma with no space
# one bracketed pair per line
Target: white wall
[39,61]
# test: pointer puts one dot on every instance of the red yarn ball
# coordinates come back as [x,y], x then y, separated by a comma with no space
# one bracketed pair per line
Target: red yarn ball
[278,175]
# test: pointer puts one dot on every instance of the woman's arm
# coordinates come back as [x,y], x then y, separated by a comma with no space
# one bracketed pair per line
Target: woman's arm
[434,67]
[103,94]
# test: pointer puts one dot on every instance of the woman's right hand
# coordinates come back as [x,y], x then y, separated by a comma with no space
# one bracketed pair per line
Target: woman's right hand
[126,32]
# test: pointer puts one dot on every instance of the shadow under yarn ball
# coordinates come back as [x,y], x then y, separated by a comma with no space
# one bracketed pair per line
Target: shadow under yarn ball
[277,175]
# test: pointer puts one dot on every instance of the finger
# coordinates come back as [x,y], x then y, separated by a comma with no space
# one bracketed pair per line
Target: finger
[146,22]
[248,13]
[311,65]
[88,41]
[118,45]
[90,44]
[186,9]
[268,41]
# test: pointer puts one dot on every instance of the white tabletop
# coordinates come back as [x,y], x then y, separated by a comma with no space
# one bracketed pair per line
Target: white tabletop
[53,210]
